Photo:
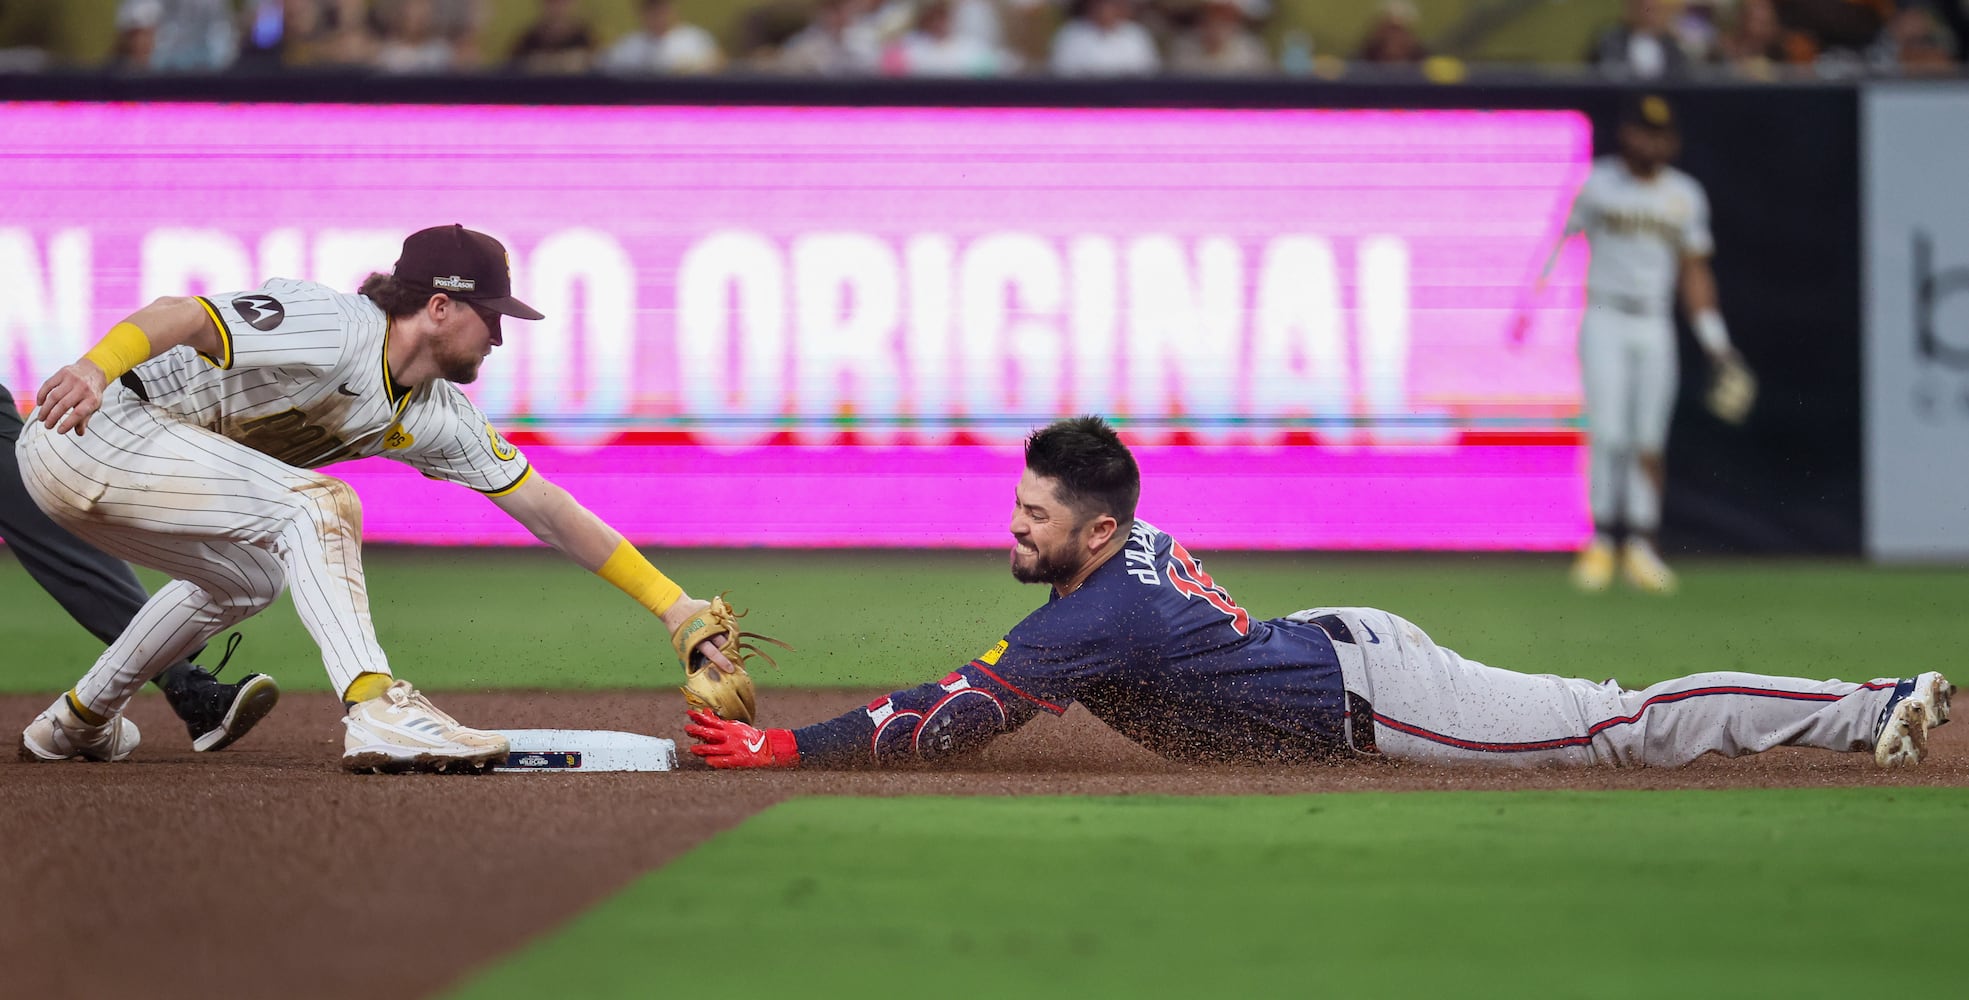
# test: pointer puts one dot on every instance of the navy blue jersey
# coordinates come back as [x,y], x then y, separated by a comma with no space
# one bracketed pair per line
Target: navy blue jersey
[1151,646]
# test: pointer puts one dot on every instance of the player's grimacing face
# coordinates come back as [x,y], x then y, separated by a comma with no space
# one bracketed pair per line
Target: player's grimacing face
[1045,533]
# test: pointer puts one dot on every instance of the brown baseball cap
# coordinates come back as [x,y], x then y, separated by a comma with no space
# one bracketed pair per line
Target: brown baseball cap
[464,264]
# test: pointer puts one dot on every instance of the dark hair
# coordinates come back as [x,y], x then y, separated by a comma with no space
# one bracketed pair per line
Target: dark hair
[1096,473]
[394,296]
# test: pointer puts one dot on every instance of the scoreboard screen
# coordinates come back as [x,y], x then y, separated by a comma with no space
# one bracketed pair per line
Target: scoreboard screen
[833,326]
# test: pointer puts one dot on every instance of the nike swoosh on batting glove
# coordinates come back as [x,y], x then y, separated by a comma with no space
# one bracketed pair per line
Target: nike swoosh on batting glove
[725,744]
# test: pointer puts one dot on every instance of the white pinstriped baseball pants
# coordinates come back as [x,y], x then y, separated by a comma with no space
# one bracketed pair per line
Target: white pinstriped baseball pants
[1432,705]
[230,525]
[1627,373]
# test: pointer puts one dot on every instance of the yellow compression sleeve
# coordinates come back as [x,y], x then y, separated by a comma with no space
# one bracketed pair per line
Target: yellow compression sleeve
[124,347]
[633,575]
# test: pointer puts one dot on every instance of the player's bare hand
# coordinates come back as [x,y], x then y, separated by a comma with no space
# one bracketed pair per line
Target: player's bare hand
[70,397]
[710,648]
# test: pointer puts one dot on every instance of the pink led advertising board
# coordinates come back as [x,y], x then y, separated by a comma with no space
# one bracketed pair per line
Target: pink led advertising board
[832,326]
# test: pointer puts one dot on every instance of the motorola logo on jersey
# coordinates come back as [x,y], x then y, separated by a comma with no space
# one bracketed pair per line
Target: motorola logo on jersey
[261,312]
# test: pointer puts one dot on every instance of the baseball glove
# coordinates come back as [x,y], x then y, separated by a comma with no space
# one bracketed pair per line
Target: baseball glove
[730,696]
[1732,390]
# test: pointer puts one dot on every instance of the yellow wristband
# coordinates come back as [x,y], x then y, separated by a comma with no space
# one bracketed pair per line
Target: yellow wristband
[633,575]
[124,347]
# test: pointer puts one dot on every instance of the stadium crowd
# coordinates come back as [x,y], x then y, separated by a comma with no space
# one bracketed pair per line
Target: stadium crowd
[1647,39]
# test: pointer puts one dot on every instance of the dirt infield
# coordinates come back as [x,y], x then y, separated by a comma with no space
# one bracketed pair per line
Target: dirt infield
[264,870]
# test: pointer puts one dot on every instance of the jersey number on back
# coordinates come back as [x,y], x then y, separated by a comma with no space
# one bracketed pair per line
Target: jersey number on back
[1189,579]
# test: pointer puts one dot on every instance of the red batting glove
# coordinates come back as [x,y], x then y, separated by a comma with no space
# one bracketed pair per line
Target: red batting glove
[727,744]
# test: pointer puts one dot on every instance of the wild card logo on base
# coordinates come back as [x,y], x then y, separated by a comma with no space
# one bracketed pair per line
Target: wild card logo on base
[1941,334]
[544,760]
[261,312]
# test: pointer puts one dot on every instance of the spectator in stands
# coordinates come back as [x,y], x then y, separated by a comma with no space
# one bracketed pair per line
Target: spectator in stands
[1697,28]
[1753,41]
[136,35]
[1641,45]
[935,48]
[839,41]
[1913,44]
[1391,37]
[411,41]
[191,36]
[461,21]
[1103,38]
[1955,15]
[666,44]
[1220,42]
[559,41]
[982,20]
[764,31]
[1833,32]
[308,34]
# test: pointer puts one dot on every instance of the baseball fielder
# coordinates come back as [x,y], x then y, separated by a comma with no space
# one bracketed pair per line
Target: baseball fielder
[1140,634]
[102,595]
[186,440]
[1648,226]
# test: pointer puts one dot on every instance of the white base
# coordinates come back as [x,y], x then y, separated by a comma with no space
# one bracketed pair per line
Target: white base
[563,751]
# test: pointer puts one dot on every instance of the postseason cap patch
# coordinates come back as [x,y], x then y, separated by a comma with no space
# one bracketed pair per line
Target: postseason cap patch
[544,760]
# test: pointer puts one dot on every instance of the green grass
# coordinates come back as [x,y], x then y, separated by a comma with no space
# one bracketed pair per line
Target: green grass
[467,618]
[1797,893]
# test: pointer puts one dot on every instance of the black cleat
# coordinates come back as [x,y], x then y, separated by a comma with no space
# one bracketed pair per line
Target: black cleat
[217,714]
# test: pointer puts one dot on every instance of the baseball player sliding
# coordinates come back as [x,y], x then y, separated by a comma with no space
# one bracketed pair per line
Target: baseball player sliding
[185,440]
[1648,226]
[1137,632]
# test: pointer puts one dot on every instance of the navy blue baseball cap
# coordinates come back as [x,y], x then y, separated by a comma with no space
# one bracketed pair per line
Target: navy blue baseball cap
[464,264]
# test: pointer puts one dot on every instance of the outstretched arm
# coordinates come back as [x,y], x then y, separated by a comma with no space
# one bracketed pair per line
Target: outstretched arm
[555,517]
[926,724]
[73,394]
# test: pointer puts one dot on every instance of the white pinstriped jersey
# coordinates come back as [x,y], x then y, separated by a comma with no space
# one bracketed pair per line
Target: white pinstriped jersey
[304,379]
[1640,230]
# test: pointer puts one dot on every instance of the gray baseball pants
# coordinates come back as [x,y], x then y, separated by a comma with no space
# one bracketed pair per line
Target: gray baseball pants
[1430,704]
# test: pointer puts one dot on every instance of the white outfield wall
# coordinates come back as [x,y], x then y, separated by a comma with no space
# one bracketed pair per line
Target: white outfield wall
[1915,218]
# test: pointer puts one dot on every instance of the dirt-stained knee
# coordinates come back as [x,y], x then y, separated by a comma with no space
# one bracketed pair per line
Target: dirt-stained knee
[334,505]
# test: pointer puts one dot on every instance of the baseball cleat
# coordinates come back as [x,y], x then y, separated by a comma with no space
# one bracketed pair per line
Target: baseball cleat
[1903,739]
[217,715]
[401,730]
[59,734]
[1644,569]
[1592,571]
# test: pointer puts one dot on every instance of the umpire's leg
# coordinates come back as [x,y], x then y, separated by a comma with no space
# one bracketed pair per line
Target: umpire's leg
[99,591]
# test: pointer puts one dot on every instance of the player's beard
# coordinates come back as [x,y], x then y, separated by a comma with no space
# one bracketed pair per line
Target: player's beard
[1046,567]
[461,367]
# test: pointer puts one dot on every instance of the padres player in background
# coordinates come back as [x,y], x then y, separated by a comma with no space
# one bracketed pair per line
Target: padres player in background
[102,595]
[186,439]
[1136,631]
[1647,224]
